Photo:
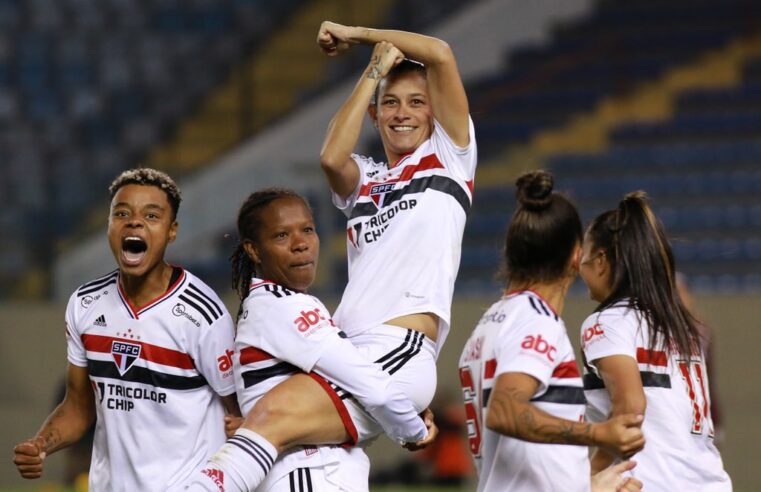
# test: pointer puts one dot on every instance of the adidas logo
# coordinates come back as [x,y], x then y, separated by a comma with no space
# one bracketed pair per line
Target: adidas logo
[100,321]
[217,476]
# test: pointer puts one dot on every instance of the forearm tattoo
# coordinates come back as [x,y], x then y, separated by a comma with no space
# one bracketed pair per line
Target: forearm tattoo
[375,70]
[521,419]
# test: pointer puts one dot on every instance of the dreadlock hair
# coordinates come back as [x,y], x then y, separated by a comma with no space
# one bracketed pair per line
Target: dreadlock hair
[249,222]
[542,233]
[642,271]
[404,67]
[149,177]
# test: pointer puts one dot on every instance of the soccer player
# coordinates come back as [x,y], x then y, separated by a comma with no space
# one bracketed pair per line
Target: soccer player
[643,352]
[286,342]
[149,350]
[523,392]
[406,216]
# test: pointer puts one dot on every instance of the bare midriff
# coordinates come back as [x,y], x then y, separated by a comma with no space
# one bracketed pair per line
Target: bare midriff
[426,323]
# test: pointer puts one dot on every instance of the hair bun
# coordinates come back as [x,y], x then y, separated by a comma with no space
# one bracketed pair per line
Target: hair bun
[534,190]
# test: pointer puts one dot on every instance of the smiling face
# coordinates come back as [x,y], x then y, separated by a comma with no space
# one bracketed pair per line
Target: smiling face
[140,227]
[286,248]
[403,114]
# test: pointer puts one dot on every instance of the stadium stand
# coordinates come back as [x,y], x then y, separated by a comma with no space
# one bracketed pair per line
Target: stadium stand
[637,96]
[86,87]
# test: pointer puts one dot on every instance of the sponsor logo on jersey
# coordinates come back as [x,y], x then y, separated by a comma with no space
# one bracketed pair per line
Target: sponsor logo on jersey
[308,319]
[225,362]
[540,345]
[592,332]
[310,450]
[179,310]
[125,354]
[100,321]
[86,301]
[217,476]
[489,317]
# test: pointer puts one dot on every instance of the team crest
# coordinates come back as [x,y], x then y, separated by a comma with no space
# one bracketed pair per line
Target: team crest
[125,354]
[378,192]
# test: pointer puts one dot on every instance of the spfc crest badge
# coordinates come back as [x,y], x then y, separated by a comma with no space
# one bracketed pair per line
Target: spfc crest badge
[378,192]
[125,354]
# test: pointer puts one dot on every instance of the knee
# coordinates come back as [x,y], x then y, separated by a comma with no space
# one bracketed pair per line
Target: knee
[271,419]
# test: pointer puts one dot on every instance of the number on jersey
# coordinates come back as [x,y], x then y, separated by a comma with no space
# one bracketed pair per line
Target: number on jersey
[471,411]
[693,372]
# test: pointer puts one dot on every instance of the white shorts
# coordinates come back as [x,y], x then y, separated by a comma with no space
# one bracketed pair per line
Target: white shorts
[328,469]
[409,357]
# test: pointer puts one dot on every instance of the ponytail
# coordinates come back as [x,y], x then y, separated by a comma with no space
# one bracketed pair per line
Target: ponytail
[642,271]
[543,232]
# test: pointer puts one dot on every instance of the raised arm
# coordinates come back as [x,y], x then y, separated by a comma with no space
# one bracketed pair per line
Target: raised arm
[622,379]
[66,425]
[510,412]
[344,129]
[446,92]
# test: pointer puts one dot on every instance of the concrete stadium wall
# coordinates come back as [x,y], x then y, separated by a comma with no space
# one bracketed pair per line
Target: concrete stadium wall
[33,361]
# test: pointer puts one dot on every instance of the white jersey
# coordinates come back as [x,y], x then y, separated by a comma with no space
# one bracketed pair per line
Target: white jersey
[156,372]
[404,234]
[521,333]
[679,453]
[282,332]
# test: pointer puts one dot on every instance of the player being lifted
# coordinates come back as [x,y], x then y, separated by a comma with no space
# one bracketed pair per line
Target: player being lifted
[285,339]
[406,217]
[643,351]
[149,350]
[523,392]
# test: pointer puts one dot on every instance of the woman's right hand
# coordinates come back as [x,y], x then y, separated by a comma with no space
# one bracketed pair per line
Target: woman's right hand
[385,57]
[334,38]
[622,435]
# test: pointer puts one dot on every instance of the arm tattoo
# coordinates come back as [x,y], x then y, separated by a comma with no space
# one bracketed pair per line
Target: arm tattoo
[519,418]
[375,68]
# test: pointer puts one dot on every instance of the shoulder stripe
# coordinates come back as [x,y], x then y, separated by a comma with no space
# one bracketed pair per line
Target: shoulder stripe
[197,308]
[101,279]
[205,303]
[96,288]
[207,297]
[277,290]
[533,305]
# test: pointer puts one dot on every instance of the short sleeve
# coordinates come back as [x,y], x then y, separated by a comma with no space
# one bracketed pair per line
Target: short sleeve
[214,359]
[606,334]
[530,348]
[461,161]
[295,329]
[346,205]
[75,349]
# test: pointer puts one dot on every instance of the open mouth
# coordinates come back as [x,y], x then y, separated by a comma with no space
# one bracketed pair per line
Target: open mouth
[133,250]
[403,128]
